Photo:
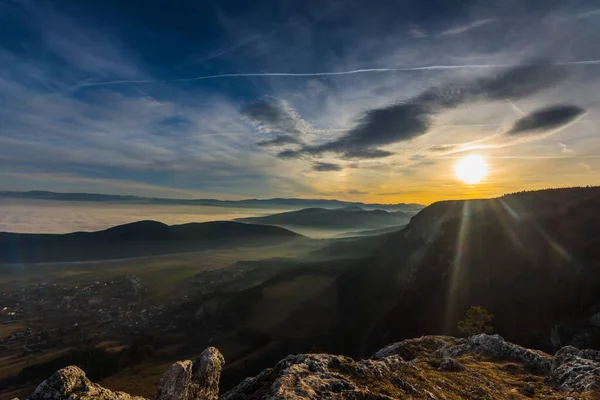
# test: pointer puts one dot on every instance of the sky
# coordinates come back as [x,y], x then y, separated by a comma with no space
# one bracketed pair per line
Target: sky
[372,101]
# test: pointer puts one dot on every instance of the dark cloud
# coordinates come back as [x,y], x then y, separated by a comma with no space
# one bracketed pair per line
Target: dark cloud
[379,127]
[367,153]
[323,166]
[273,115]
[521,81]
[281,140]
[289,154]
[547,118]
[412,118]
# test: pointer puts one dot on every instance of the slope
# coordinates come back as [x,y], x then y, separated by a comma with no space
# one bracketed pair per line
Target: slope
[532,259]
[342,218]
[136,239]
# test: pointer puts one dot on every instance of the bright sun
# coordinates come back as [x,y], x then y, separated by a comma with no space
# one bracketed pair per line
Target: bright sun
[471,169]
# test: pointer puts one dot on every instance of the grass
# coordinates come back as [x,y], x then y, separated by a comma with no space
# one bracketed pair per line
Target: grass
[483,378]
[140,380]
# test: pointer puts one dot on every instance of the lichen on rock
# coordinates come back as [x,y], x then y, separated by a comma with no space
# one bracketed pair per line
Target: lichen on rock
[430,367]
[70,383]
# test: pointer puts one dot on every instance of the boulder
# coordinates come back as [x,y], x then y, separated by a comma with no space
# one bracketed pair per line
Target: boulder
[575,370]
[70,383]
[184,380]
[496,346]
[198,380]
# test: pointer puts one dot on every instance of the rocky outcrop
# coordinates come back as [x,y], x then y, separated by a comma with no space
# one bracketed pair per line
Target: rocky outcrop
[495,346]
[70,383]
[187,380]
[575,370]
[430,367]
[184,380]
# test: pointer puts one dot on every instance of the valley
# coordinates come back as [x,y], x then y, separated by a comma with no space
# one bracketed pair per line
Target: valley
[124,321]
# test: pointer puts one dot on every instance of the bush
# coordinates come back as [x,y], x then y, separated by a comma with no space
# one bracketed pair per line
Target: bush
[477,321]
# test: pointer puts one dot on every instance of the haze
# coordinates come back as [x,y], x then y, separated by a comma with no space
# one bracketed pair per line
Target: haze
[39,216]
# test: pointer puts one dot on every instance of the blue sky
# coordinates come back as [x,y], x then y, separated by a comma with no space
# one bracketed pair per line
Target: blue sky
[360,100]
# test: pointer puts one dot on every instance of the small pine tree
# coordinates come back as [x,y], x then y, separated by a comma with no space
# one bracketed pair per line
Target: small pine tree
[477,321]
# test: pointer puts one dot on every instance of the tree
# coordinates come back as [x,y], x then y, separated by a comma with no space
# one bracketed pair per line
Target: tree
[477,321]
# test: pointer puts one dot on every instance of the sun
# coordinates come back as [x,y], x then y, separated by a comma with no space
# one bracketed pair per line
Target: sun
[471,169]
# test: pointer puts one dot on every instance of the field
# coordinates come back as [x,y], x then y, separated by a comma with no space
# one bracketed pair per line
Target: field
[159,273]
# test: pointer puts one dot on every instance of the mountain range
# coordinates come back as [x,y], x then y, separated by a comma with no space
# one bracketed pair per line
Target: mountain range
[137,239]
[353,218]
[276,203]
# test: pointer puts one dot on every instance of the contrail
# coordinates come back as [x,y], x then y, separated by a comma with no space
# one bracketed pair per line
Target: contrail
[516,108]
[324,73]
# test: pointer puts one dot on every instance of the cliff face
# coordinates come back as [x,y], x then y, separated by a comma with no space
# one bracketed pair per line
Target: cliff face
[430,367]
[541,248]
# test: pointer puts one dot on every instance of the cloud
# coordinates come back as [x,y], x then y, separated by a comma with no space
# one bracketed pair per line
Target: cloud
[85,46]
[565,149]
[355,192]
[323,167]
[467,27]
[410,119]
[274,115]
[367,153]
[289,154]
[546,118]
[280,140]
[417,33]
[442,147]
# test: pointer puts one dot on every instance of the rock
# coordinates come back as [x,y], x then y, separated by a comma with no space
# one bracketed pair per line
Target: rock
[415,369]
[70,383]
[175,382]
[511,367]
[450,365]
[496,346]
[321,376]
[199,380]
[575,370]
[528,389]
[410,348]
[184,380]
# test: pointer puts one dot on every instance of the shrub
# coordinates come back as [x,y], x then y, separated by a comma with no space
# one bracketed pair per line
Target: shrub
[477,321]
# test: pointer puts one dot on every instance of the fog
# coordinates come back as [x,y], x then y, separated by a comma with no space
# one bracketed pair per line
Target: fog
[44,216]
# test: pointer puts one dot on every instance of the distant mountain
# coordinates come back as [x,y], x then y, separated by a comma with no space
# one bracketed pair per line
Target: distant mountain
[342,218]
[136,239]
[277,203]
[532,259]
[372,232]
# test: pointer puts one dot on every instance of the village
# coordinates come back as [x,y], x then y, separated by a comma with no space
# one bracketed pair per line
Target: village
[45,316]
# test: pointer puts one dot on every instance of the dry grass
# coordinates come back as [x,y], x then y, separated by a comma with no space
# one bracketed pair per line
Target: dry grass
[483,378]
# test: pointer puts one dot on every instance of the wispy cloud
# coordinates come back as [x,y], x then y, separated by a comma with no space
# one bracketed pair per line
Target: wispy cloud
[467,27]
[322,73]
